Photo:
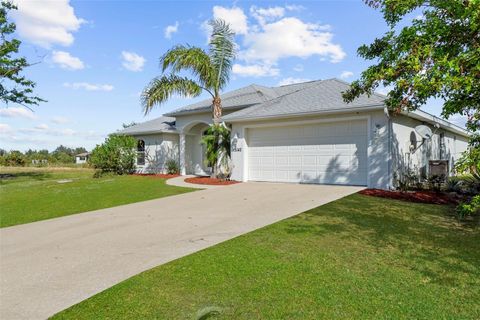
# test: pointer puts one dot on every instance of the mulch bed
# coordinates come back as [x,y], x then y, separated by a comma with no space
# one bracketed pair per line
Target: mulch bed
[413,196]
[210,181]
[157,175]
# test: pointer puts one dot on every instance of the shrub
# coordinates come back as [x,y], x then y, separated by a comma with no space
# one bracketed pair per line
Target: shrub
[468,184]
[454,184]
[470,159]
[435,182]
[407,181]
[469,208]
[116,155]
[172,166]
[14,159]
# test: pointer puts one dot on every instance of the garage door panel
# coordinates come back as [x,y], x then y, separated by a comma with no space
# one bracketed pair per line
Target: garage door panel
[309,160]
[333,153]
[281,160]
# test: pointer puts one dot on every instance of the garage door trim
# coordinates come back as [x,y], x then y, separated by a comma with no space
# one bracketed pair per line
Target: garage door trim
[293,123]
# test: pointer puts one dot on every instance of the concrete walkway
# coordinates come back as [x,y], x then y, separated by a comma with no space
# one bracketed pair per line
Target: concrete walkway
[50,265]
[180,182]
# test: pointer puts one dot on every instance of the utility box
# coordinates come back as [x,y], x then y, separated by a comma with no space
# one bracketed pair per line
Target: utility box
[438,168]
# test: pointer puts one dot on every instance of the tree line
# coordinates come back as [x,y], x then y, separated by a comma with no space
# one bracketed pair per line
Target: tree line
[61,155]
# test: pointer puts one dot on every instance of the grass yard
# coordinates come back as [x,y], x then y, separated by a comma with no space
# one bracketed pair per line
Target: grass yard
[357,258]
[32,194]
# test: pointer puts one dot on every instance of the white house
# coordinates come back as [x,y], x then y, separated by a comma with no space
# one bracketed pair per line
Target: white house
[82,157]
[302,133]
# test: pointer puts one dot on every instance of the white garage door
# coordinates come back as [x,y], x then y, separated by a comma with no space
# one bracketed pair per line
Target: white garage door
[330,153]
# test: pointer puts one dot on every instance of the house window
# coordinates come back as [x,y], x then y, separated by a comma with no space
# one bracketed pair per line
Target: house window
[82,158]
[141,152]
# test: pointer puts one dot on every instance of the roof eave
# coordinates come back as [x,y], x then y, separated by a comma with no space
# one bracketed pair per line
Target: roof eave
[206,110]
[430,118]
[134,133]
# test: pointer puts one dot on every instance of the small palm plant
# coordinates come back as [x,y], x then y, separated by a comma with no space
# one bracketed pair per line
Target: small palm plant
[216,140]
[210,70]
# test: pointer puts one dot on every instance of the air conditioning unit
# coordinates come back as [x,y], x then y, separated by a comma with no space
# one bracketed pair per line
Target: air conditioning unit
[438,168]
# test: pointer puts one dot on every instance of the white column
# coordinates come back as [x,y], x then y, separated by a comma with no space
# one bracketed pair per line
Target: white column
[183,170]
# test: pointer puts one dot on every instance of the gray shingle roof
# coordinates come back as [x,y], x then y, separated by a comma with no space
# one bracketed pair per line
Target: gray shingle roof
[161,124]
[310,97]
[240,98]
[255,101]
[83,154]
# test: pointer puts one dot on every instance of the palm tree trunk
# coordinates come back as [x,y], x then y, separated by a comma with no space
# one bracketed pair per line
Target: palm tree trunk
[217,115]
[217,109]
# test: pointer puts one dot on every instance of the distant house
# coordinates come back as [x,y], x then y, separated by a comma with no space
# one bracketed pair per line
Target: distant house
[39,162]
[82,157]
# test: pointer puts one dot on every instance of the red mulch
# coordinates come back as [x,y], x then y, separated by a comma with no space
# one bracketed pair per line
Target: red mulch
[157,175]
[412,196]
[210,181]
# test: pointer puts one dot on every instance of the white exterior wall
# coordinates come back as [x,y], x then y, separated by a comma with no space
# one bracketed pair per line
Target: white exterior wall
[78,160]
[158,149]
[403,132]
[188,120]
[192,161]
[378,155]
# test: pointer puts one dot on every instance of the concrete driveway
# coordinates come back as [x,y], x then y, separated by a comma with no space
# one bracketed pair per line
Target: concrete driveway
[50,265]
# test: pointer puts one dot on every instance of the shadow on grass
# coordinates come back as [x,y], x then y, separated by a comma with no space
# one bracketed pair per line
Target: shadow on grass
[25,174]
[423,238]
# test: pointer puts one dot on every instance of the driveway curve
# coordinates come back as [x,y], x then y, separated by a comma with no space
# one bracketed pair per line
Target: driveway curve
[49,265]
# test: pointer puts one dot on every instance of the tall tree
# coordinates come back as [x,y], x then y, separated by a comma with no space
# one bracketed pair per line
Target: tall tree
[14,87]
[210,70]
[436,55]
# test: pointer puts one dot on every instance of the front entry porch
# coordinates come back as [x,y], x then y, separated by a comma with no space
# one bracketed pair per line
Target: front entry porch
[192,153]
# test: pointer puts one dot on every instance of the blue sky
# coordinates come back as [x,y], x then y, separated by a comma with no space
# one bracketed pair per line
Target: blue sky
[97,56]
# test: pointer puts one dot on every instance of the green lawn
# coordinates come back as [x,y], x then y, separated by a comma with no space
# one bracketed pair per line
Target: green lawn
[29,194]
[357,258]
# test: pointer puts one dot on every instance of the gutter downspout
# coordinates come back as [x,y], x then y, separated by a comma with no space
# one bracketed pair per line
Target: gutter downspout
[389,158]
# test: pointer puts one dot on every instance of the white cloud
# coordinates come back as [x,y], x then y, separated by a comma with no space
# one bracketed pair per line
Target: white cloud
[17,112]
[132,61]
[346,74]
[42,126]
[233,16]
[60,120]
[45,130]
[263,15]
[255,70]
[46,22]
[169,30]
[275,36]
[88,86]
[290,37]
[294,7]
[291,80]
[5,128]
[298,68]
[66,61]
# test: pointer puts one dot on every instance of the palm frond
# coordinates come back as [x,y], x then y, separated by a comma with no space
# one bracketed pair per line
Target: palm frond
[193,59]
[160,89]
[216,141]
[222,51]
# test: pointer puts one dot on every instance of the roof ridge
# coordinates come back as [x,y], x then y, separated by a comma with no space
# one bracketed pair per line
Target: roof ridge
[280,97]
[383,96]
[297,83]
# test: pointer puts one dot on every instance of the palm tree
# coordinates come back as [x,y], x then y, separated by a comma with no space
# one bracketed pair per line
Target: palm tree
[211,71]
